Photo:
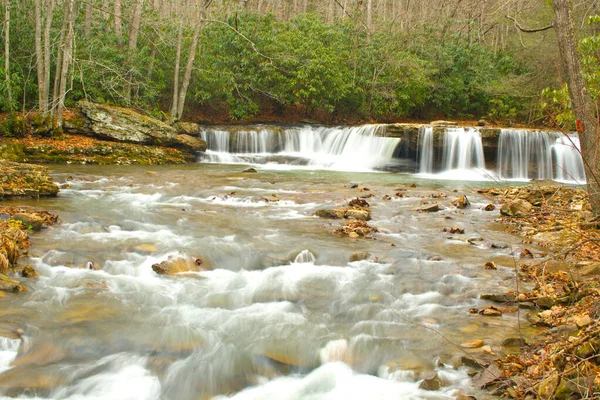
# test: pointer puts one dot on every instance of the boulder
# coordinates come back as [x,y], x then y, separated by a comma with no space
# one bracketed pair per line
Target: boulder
[188,128]
[334,213]
[25,180]
[8,284]
[359,256]
[176,265]
[29,221]
[516,208]
[432,208]
[125,125]
[358,214]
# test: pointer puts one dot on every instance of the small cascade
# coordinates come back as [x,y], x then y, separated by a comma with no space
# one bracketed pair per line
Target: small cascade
[524,155]
[216,140]
[305,256]
[463,149]
[425,150]
[359,148]
[568,164]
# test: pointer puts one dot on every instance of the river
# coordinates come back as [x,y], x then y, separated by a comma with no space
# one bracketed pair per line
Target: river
[281,311]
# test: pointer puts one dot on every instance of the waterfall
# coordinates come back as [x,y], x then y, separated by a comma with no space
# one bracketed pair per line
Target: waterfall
[425,150]
[524,155]
[567,158]
[463,149]
[305,256]
[359,148]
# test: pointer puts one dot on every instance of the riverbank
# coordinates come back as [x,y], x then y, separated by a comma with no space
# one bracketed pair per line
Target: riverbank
[559,292]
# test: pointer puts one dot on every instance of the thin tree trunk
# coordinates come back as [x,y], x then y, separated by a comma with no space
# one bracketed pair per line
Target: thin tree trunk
[47,53]
[39,57]
[88,19]
[134,33]
[117,19]
[174,107]
[66,60]
[59,60]
[582,104]
[191,57]
[7,53]
[370,14]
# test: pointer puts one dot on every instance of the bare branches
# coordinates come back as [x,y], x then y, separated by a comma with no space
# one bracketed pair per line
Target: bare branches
[529,30]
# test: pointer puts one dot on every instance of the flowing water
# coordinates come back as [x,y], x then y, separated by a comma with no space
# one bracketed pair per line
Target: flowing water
[281,311]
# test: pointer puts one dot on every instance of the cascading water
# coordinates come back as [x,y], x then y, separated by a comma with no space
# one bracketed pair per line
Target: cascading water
[463,149]
[524,155]
[568,164]
[425,150]
[347,148]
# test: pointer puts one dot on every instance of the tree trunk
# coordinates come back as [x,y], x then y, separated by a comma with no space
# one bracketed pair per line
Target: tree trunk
[117,19]
[190,61]
[176,75]
[370,14]
[582,104]
[134,33]
[47,53]
[39,57]
[7,54]
[88,19]
[66,60]
[59,60]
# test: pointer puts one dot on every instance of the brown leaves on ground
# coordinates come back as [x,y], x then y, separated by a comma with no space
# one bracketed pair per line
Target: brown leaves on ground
[564,362]
[14,237]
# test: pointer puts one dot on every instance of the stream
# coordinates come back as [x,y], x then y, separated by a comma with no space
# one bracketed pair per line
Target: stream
[280,311]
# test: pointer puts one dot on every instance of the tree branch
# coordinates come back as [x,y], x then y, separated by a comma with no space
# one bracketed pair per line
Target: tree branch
[528,30]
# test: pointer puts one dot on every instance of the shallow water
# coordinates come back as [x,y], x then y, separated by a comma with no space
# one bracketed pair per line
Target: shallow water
[282,313]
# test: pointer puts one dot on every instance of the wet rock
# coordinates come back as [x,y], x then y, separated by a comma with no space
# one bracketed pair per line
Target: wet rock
[454,231]
[525,253]
[359,256]
[8,284]
[29,272]
[491,312]
[489,207]
[516,208]
[431,208]
[473,344]
[476,241]
[433,383]
[353,185]
[250,170]
[461,203]
[177,265]
[358,214]
[499,298]
[466,361]
[434,258]
[32,380]
[497,245]
[359,203]
[443,123]
[387,197]
[335,213]
[514,342]
[490,265]
[353,235]
[29,221]
[145,248]
[42,353]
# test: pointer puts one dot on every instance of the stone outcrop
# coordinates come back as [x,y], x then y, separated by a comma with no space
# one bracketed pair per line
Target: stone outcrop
[125,125]
[25,180]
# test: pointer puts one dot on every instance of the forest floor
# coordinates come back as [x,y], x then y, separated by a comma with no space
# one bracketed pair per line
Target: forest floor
[563,296]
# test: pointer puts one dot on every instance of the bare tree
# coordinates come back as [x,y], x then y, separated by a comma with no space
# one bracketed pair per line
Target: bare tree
[582,103]
[134,32]
[66,59]
[7,53]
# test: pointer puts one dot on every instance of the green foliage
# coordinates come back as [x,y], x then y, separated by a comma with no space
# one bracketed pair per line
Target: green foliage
[556,102]
[13,126]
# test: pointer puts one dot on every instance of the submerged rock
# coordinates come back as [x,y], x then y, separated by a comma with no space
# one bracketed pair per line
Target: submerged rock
[432,208]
